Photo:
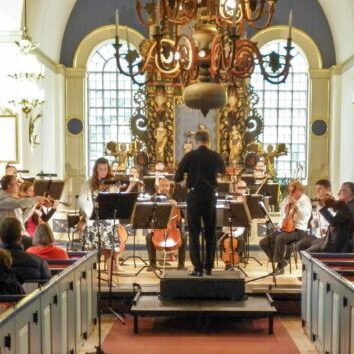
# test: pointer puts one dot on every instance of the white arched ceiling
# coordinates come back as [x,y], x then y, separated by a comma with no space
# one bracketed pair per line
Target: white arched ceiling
[340,15]
[47,21]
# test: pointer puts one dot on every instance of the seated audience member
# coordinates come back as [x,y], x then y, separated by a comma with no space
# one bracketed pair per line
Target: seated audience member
[43,244]
[39,215]
[26,266]
[9,284]
[298,204]
[318,224]
[340,216]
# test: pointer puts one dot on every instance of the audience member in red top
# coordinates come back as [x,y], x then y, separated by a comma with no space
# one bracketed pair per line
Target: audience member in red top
[43,244]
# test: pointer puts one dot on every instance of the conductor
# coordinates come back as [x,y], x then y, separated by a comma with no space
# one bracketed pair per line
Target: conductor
[202,167]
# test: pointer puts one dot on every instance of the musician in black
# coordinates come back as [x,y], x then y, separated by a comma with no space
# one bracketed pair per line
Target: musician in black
[202,167]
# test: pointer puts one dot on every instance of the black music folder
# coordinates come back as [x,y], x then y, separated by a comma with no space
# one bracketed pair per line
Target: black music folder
[52,188]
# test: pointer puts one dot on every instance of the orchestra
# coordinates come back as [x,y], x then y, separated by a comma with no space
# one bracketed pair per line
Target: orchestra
[305,225]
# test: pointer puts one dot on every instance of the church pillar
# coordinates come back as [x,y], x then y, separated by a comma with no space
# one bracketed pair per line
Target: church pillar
[318,140]
[75,143]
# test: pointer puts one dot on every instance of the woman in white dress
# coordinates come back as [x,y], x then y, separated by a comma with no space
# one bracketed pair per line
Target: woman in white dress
[89,192]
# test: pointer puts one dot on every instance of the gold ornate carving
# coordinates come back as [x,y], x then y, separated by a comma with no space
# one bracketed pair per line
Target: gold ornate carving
[239,123]
[160,116]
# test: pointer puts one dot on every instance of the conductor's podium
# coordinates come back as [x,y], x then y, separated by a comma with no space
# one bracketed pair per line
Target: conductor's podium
[226,285]
[58,316]
[327,303]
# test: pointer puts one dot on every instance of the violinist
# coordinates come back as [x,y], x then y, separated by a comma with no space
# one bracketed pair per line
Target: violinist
[318,223]
[340,216]
[295,212]
[135,182]
[39,215]
[164,188]
[11,205]
[109,241]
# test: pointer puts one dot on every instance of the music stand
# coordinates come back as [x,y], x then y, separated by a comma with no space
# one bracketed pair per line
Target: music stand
[256,212]
[53,188]
[112,206]
[248,178]
[149,185]
[72,221]
[237,215]
[154,216]
[223,189]
[271,190]
[268,221]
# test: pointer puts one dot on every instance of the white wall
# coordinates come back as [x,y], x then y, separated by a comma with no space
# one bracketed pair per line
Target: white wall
[347,126]
[49,154]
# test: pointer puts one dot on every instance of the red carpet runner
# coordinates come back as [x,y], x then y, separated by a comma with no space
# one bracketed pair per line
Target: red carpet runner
[187,336]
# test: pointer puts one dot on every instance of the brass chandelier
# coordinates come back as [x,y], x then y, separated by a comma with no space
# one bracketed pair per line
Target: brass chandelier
[202,46]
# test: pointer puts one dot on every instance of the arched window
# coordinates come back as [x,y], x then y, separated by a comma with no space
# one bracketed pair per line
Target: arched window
[284,108]
[109,101]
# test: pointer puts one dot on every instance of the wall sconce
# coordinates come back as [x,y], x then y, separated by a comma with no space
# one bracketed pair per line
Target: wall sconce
[27,71]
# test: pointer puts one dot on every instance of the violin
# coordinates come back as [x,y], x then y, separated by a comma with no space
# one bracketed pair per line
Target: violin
[50,201]
[169,239]
[135,185]
[288,223]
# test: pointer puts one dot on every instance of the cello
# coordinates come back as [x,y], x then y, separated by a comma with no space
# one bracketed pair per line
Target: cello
[169,239]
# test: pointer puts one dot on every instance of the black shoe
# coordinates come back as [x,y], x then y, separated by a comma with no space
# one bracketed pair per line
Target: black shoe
[181,267]
[227,266]
[195,274]
[208,271]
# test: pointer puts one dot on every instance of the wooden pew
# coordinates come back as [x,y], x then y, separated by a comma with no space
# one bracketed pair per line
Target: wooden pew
[58,316]
[328,301]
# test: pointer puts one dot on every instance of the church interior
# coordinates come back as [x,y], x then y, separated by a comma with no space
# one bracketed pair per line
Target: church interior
[175,173]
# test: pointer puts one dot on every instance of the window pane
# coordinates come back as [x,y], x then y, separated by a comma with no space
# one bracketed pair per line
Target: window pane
[284,108]
[110,102]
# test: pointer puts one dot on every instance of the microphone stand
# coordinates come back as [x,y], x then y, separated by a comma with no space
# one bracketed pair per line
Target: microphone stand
[98,347]
[117,314]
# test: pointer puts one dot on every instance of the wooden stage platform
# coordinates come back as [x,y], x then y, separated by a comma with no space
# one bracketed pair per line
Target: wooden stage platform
[286,293]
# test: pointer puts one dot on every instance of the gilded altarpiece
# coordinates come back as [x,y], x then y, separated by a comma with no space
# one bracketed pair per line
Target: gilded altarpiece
[239,123]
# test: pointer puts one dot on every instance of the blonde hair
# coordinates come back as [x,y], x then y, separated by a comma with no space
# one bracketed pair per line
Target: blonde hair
[296,186]
[43,235]
[5,258]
